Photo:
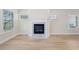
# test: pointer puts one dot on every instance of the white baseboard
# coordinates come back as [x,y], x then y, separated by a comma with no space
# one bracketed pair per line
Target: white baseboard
[56,34]
[6,39]
[64,34]
[23,34]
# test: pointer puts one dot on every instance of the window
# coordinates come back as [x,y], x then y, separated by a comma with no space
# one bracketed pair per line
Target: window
[7,20]
[73,21]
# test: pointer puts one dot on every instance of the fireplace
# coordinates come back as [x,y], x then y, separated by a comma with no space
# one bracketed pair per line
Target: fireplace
[38,28]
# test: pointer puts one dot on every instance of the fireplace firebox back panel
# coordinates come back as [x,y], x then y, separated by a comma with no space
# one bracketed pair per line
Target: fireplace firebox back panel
[38,29]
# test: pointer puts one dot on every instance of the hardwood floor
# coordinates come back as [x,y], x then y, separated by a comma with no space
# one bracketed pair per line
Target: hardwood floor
[54,42]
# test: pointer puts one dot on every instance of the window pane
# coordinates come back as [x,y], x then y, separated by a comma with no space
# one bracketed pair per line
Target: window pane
[8,20]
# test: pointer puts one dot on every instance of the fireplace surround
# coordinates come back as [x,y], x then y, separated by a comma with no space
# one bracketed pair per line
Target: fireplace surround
[39,29]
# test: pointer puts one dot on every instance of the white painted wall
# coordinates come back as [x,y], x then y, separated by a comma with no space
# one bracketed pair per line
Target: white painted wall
[57,26]
[34,14]
[23,23]
[61,24]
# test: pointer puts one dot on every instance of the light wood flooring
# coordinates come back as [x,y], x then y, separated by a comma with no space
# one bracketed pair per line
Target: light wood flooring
[54,42]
